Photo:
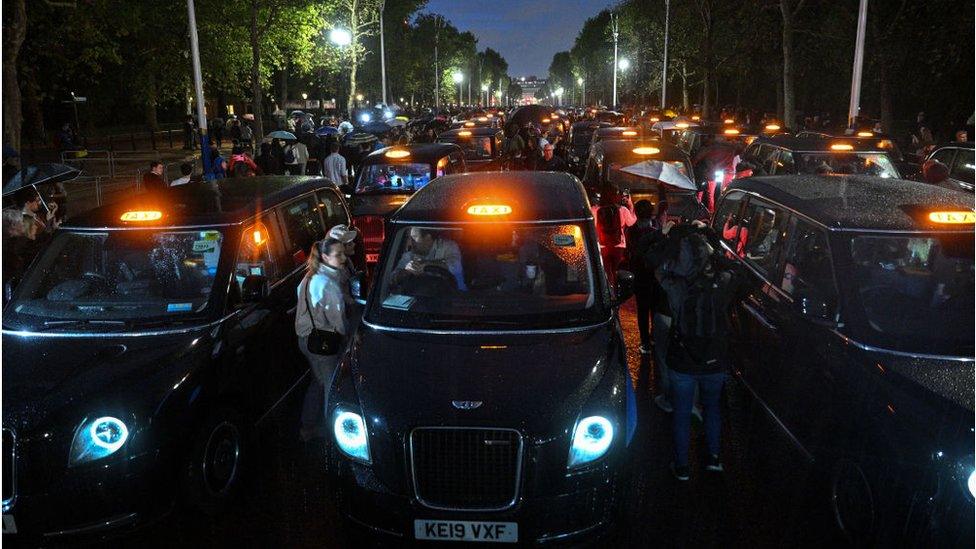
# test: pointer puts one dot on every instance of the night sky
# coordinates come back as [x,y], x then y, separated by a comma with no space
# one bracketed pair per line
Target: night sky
[526,32]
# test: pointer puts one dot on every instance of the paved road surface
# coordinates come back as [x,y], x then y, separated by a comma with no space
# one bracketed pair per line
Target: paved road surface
[765,497]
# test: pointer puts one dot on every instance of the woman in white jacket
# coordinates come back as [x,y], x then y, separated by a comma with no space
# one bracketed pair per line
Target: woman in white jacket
[323,303]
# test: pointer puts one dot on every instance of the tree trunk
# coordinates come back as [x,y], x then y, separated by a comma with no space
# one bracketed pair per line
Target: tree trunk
[684,87]
[256,93]
[283,86]
[14,30]
[152,122]
[33,113]
[788,91]
[353,59]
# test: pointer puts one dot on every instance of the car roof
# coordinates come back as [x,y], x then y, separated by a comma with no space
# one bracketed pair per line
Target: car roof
[817,144]
[192,204]
[419,152]
[621,148]
[533,196]
[479,131]
[858,202]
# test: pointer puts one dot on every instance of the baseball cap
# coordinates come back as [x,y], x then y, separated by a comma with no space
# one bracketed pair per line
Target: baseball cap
[343,233]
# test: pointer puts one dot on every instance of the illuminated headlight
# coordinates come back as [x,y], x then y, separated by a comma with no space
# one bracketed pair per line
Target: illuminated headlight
[364,117]
[97,438]
[719,176]
[591,440]
[971,483]
[387,115]
[350,434]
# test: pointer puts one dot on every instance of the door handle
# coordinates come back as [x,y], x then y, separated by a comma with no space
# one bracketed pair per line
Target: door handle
[759,316]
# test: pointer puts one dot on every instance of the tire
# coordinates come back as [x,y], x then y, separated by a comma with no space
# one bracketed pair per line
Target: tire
[213,469]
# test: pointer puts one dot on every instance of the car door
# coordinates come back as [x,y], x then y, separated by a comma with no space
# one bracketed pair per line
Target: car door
[961,171]
[761,236]
[803,391]
[256,324]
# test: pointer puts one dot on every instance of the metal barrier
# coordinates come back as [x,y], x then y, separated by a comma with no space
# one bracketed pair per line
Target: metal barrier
[88,162]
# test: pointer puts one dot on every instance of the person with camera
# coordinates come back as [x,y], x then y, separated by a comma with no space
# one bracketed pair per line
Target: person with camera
[322,325]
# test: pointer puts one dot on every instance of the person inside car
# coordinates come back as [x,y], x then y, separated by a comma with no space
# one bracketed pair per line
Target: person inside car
[430,250]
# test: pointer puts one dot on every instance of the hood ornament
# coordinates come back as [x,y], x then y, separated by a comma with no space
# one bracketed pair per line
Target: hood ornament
[466,404]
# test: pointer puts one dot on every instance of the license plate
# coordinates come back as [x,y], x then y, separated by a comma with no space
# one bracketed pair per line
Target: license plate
[9,525]
[465,530]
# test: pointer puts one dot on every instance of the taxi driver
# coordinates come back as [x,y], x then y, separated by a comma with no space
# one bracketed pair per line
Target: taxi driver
[430,250]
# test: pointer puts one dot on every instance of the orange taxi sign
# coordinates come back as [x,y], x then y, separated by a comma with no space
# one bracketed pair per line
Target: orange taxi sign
[489,209]
[629,132]
[464,133]
[865,134]
[842,147]
[142,215]
[773,127]
[953,218]
[731,131]
[644,151]
[397,153]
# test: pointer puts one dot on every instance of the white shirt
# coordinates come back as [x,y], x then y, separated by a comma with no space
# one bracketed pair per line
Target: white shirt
[181,181]
[335,168]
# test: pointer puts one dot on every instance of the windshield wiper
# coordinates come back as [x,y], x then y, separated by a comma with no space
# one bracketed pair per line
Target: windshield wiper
[80,322]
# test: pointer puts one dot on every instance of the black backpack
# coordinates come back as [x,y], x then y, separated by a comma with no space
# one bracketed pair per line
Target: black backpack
[608,223]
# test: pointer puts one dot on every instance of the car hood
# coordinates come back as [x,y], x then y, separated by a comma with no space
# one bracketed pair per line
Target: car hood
[534,383]
[44,377]
[952,380]
[377,204]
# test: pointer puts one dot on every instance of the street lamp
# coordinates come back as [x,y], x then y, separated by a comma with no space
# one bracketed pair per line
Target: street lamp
[559,95]
[624,64]
[304,96]
[458,78]
[484,90]
[340,37]
[582,84]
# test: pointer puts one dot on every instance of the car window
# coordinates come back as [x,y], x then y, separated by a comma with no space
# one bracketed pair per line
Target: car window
[768,160]
[302,226]
[963,166]
[255,255]
[331,209]
[762,233]
[807,268]
[783,163]
[944,156]
[728,218]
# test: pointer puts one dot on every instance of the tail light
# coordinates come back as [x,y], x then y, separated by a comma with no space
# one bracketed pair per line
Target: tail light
[371,227]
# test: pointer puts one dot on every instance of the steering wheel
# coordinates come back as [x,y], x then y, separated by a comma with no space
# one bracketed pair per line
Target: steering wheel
[96,280]
[440,273]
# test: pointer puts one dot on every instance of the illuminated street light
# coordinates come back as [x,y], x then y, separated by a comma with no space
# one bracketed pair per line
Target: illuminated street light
[624,64]
[458,77]
[304,96]
[340,37]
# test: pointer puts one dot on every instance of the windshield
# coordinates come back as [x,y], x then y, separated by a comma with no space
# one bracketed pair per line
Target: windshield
[475,148]
[488,276]
[866,163]
[120,275]
[916,292]
[394,178]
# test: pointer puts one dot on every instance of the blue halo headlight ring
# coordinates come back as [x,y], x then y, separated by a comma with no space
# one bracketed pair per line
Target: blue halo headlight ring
[971,484]
[592,438]
[97,438]
[350,434]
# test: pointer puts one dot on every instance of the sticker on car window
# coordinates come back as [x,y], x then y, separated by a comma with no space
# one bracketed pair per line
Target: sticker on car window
[204,246]
[564,240]
[179,307]
[399,302]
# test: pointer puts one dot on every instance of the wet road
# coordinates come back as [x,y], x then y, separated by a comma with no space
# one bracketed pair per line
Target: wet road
[767,497]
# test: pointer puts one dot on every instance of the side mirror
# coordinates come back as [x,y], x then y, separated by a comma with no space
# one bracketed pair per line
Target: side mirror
[359,288]
[815,308]
[625,286]
[254,289]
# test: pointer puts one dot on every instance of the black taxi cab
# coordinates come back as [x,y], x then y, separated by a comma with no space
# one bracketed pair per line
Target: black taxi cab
[387,179]
[146,345]
[857,337]
[485,396]
[787,155]
[647,170]
[693,139]
[482,146]
[625,133]
[580,139]
[961,161]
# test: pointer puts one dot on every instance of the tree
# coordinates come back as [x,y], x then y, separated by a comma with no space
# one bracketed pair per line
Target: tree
[789,10]
[561,71]
[14,31]
[592,54]
[361,18]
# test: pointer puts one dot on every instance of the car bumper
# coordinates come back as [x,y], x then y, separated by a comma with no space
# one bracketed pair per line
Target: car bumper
[582,507]
[96,500]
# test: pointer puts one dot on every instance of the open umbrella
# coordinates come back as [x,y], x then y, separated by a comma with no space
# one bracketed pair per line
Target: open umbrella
[376,128]
[281,134]
[665,172]
[397,123]
[39,174]
[359,137]
[326,130]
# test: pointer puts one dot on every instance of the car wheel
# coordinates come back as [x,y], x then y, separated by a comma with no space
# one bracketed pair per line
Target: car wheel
[214,466]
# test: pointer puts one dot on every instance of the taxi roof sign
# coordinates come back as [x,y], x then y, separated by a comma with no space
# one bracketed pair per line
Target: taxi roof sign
[628,132]
[731,131]
[773,127]
[644,151]
[397,153]
[489,209]
[142,215]
[865,134]
[842,147]
[953,218]
[464,133]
